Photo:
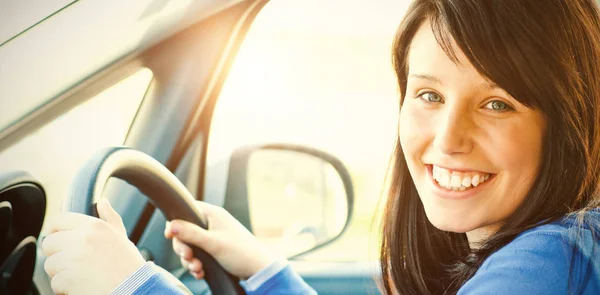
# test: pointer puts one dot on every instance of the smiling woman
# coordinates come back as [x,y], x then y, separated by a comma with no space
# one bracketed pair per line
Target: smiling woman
[493,184]
[464,124]
[515,104]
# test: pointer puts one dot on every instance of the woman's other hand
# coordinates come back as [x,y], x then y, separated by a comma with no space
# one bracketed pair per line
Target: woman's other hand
[87,255]
[227,240]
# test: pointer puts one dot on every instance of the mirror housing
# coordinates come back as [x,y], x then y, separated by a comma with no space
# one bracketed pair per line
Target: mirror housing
[293,198]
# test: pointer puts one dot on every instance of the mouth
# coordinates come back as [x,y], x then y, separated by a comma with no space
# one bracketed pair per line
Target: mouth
[457,184]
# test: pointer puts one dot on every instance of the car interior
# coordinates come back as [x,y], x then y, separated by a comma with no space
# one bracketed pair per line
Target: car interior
[147,149]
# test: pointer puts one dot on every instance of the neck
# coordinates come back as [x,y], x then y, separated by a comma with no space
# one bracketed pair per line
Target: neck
[478,236]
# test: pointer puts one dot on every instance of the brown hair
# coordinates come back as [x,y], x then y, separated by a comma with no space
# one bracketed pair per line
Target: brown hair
[546,54]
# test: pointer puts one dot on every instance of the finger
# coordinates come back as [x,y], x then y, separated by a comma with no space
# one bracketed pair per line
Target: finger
[60,283]
[184,263]
[56,263]
[198,275]
[56,242]
[195,266]
[168,230]
[108,214]
[68,220]
[192,234]
[182,249]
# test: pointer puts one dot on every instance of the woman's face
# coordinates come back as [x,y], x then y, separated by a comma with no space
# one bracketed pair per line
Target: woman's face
[473,151]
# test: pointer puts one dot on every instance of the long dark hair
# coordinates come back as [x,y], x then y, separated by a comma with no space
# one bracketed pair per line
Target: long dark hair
[546,54]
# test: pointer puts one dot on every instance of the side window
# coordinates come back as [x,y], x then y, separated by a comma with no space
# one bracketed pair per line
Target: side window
[325,82]
[55,152]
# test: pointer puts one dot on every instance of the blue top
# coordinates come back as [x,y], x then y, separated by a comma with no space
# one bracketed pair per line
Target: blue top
[555,258]
[549,259]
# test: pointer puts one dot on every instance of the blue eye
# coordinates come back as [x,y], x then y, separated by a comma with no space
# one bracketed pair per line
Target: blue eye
[430,97]
[498,106]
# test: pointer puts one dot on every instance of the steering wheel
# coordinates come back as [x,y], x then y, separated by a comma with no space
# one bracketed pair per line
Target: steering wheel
[160,186]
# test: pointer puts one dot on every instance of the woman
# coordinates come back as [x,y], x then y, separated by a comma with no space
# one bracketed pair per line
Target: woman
[494,185]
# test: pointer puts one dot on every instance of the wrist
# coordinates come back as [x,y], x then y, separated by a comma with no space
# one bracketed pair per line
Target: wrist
[131,266]
[261,262]
[259,278]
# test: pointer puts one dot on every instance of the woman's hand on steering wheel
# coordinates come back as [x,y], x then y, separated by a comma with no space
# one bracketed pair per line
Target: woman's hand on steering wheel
[87,255]
[227,240]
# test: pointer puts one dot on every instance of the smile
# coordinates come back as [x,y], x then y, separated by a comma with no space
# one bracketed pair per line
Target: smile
[458,180]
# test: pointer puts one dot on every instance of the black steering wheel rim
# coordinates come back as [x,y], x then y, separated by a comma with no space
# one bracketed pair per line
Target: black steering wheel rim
[163,190]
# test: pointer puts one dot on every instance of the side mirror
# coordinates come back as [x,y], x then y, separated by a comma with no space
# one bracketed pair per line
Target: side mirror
[293,198]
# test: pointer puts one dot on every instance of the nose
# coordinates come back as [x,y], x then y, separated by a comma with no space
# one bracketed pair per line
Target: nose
[453,132]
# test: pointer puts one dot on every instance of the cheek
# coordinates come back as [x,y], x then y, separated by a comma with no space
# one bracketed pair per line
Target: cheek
[516,151]
[413,137]
[412,130]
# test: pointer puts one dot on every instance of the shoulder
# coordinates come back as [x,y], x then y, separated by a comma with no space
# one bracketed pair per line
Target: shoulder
[548,259]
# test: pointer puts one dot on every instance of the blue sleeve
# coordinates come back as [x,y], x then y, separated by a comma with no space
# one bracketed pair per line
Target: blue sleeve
[536,263]
[265,274]
[158,284]
[150,279]
[284,282]
[277,279]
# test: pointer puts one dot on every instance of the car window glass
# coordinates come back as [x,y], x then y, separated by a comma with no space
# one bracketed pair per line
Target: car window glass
[54,153]
[324,82]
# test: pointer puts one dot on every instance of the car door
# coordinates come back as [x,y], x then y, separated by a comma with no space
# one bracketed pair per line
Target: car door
[92,74]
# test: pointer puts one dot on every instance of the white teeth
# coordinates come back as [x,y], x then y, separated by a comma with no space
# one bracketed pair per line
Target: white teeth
[466,181]
[457,181]
[444,180]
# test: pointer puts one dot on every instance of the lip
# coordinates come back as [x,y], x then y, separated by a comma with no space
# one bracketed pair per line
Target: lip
[462,170]
[455,195]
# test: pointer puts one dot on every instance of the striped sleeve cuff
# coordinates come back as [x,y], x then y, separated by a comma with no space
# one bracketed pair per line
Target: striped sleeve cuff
[259,278]
[136,280]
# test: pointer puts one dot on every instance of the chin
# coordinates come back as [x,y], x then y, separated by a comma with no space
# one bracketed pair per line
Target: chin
[456,222]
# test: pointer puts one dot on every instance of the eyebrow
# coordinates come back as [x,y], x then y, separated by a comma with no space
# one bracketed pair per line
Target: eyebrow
[490,86]
[434,79]
[427,77]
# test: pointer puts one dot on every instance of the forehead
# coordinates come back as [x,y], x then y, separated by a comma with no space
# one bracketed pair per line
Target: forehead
[427,57]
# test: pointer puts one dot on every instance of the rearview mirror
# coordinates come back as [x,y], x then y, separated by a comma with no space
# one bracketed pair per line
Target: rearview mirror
[293,198]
